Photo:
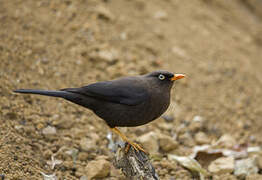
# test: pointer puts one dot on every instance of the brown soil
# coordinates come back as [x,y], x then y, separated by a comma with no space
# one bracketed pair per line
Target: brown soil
[58,44]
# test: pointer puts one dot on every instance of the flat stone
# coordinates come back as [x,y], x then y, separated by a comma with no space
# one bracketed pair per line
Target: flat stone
[227,141]
[49,130]
[167,143]
[246,167]
[87,144]
[202,138]
[98,169]
[222,165]
[149,142]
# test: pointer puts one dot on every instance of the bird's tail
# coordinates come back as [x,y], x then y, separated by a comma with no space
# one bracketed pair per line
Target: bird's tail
[62,94]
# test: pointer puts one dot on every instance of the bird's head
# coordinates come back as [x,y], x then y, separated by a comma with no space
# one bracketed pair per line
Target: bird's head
[164,78]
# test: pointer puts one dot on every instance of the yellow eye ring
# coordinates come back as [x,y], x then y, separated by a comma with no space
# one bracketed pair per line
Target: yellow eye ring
[161,77]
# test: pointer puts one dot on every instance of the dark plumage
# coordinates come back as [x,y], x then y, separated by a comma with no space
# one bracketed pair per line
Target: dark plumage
[127,101]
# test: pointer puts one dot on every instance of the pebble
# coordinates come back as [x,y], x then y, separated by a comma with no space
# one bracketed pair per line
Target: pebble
[149,142]
[104,13]
[222,165]
[246,167]
[168,118]
[198,118]
[167,143]
[98,169]
[183,54]
[259,161]
[62,123]
[186,139]
[253,177]
[162,15]
[49,130]
[202,138]
[83,178]
[83,156]
[226,141]
[108,55]
[87,144]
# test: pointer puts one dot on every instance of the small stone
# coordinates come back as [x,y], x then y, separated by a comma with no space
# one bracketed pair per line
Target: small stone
[186,139]
[108,55]
[87,144]
[253,177]
[222,165]
[226,141]
[47,154]
[166,164]
[49,130]
[83,156]
[167,143]
[224,176]
[63,123]
[83,178]
[168,118]
[259,161]
[162,15]
[104,13]
[183,54]
[246,167]
[198,118]
[202,138]
[80,171]
[115,172]
[149,142]
[98,169]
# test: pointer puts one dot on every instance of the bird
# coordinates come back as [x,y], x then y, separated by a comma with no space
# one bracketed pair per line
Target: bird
[123,102]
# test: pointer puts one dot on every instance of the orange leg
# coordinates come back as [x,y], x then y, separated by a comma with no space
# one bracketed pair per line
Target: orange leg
[134,145]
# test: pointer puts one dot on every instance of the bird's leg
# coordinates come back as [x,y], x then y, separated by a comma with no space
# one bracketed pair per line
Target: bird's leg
[136,146]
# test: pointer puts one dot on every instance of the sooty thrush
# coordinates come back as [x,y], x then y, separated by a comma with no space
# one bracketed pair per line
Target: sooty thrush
[124,102]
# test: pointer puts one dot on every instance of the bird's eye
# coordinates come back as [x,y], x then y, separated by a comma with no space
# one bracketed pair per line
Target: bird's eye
[161,77]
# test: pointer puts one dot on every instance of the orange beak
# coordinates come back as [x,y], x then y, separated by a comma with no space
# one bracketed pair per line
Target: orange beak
[177,76]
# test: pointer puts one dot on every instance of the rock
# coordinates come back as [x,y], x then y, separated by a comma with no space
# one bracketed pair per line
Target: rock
[83,156]
[222,165]
[169,165]
[115,172]
[259,161]
[183,54]
[168,118]
[224,176]
[226,141]
[107,55]
[197,118]
[162,15]
[49,130]
[202,138]
[98,169]
[197,124]
[167,143]
[165,126]
[87,144]
[246,167]
[186,139]
[149,142]
[104,13]
[253,177]
[83,178]
[62,123]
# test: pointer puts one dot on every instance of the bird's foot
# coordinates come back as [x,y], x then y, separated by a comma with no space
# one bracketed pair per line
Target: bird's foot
[136,146]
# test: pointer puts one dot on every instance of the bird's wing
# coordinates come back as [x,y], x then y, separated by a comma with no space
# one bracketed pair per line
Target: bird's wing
[128,91]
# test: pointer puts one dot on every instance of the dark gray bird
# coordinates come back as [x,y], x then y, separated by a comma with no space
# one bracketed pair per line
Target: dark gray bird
[124,102]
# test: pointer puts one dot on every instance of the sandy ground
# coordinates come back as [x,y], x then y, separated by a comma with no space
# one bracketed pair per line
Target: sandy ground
[58,44]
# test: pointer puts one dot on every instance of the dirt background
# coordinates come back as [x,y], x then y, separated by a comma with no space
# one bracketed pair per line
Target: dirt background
[58,44]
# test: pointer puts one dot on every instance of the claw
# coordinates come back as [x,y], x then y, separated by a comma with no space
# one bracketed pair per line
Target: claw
[136,146]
